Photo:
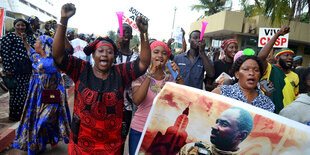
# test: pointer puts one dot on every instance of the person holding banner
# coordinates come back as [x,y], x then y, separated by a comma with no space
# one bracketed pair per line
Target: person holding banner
[232,127]
[17,66]
[146,87]
[98,104]
[247,70]
[285,81]
[194,63]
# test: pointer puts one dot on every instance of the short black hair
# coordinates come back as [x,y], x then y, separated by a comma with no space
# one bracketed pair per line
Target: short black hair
[193,32]
[237,64]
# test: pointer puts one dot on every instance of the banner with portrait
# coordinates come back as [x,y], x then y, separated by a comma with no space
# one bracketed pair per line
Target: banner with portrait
[183,115]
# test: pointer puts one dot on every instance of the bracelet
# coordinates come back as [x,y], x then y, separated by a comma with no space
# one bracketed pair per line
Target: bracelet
[149,75]
[62,25]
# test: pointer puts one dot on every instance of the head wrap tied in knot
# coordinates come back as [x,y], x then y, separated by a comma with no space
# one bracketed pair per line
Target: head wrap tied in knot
[227,42]
[160,43]
[90,48]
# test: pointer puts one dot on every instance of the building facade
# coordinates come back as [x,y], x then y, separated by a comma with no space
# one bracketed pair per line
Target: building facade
[234,24]
[43,9]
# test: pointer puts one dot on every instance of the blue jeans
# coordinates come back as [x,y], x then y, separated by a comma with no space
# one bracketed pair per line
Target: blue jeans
[134,137]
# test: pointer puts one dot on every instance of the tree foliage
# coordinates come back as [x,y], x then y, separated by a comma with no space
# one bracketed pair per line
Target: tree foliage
[209,7]
[112,35]
[277,10]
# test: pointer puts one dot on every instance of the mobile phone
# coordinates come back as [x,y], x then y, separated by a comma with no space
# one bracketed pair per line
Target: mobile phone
[266,86]
[174,73]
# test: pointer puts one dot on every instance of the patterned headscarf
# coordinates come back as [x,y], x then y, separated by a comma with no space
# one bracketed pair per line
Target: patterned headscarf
[227,42]
[91,48]
[282,51]
[160,43]
[31,19]
[47,43]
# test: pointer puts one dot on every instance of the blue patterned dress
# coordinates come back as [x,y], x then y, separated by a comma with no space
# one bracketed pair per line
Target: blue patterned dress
[261,101]
[43,124]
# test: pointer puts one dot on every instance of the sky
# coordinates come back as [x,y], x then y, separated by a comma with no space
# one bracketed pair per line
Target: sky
[99,17]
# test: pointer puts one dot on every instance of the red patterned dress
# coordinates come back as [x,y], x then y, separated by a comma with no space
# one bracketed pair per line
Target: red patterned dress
[97,126]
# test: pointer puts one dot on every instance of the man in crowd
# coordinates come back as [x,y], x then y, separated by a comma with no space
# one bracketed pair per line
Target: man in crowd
[126,55]
[193,63]
[231,128]
[284,80]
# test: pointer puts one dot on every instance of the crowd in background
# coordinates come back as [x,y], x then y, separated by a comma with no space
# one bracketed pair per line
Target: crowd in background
[115,86]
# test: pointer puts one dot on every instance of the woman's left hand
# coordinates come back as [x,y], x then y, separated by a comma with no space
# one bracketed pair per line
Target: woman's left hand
[270,85]
[175,67]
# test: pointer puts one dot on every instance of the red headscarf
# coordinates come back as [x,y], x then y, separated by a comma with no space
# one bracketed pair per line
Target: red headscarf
[227,42]
[160,43]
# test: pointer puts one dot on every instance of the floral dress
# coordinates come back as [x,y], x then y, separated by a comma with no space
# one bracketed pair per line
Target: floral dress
[42,123]
[97,123]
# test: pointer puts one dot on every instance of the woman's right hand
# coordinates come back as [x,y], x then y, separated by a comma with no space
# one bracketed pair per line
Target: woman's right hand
[68,10]
[155,66]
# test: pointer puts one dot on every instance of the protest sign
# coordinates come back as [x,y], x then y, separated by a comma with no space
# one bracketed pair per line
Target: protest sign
[265,34]
[182,115]
[130,15]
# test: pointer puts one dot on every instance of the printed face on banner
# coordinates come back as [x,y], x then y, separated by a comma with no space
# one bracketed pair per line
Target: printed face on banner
[130,15]
[183,118]
[265,34]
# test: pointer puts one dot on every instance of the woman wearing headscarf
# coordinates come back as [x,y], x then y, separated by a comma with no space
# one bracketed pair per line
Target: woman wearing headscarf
[35,25]
[230,48]
[97,126]
[43,122]
[17,66]
[146,87]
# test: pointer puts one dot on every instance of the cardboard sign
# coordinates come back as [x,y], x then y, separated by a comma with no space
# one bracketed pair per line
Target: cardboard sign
[130,16]
[182,116]
[265,34]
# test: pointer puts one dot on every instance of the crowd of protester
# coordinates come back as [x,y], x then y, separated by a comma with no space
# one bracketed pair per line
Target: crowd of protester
[115,86]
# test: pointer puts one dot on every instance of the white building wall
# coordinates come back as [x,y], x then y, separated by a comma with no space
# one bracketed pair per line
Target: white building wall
[43,9]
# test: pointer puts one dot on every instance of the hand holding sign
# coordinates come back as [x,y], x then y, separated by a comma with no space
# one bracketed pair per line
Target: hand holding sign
[120,22]
[203,28]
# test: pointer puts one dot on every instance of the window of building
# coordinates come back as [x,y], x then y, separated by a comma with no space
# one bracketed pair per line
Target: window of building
[307,50]
[250,42]
[293,47]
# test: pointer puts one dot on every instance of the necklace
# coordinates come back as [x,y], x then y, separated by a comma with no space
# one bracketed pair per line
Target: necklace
[156,87]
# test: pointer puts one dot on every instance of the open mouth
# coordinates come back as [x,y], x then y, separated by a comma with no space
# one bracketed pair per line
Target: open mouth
[103,62]
[251,81]
[158,59]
